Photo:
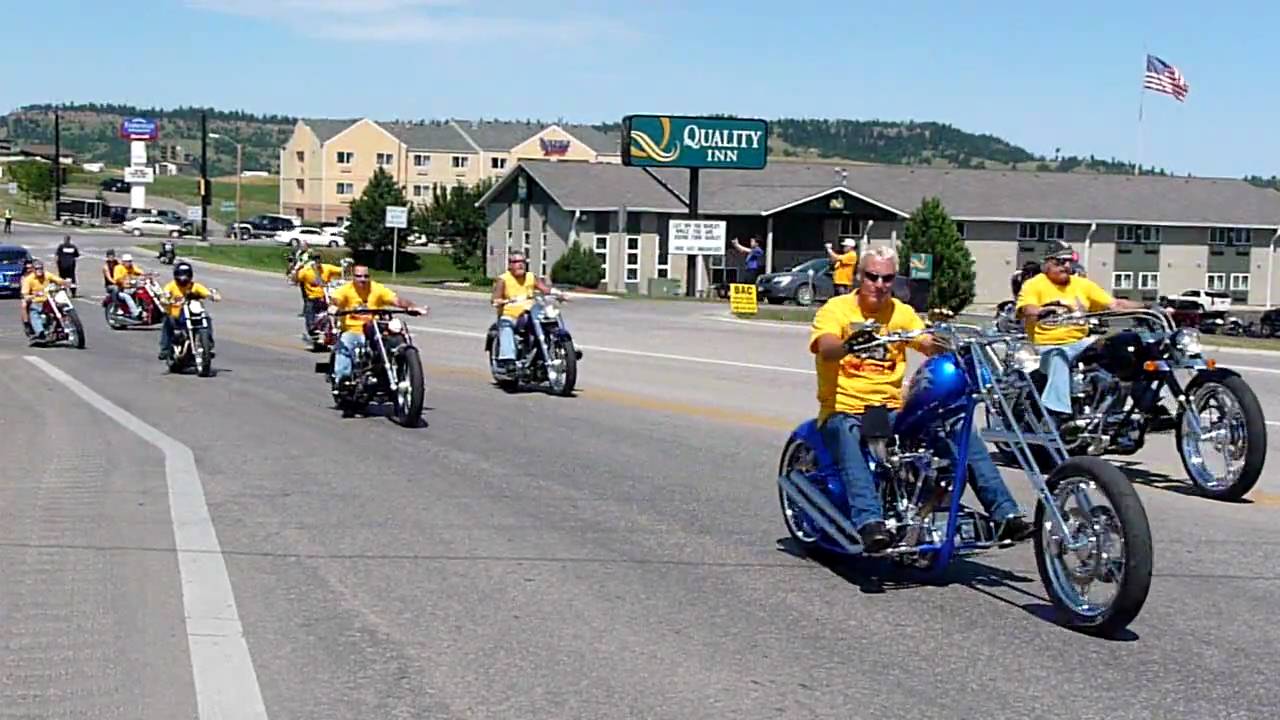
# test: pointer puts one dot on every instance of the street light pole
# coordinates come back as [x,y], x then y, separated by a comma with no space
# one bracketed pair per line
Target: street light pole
[239,169]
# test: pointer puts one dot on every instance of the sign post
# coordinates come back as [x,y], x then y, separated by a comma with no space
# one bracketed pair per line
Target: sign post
[397,218]
[695,143]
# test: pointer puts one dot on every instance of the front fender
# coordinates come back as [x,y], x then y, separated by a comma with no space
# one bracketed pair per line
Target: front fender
[490,337]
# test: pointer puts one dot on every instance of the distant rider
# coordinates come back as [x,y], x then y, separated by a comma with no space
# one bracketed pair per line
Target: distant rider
[1061,290]
[848,385]
[123,276]
[361,293]
[299,258]
[33,289]
[513,295]
[173,296]
[843,265]
[313,277]
[68,253]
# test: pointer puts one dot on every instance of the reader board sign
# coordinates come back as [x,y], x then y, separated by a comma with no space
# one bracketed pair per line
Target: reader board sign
[695,142]
[696,237]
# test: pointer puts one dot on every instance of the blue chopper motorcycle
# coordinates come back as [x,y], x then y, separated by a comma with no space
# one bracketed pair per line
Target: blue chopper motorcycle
[1092,543]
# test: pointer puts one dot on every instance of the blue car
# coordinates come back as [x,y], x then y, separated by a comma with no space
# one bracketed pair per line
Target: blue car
[12,258]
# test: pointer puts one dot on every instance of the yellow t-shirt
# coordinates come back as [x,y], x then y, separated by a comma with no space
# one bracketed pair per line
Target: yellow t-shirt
[173,296]
[33,286]
[348,298]
[843,268]
[851,384]
[313,286]
[1077,293]
[121,274]
[515,289]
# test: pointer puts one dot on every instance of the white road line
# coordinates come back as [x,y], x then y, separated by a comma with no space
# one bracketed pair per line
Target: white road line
[637,353]
[1247,368]
[226,684]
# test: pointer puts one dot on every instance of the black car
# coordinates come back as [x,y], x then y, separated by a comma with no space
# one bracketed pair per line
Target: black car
[795,284]
[1269,323]
[114,185]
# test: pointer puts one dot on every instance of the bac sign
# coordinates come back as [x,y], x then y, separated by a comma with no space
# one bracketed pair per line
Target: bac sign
[139,129]
[695,142]
[553,148]
[742,299]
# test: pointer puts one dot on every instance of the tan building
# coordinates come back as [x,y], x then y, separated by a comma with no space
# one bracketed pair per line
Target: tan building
[1139,237]
[327,163]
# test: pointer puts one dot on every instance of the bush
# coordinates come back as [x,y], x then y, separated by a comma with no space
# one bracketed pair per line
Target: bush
[578,267]
[930,230]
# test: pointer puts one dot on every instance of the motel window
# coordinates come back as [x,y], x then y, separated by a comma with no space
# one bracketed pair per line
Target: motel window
[346,188]
[421,161]
[1149,281]
[385,159]
[662,259]
[302,156]
[498,163]
[1230,236]
[1215,281]
[542,255]
[1053,231]
[1137,234]
[419,191]
[524,244]
[1239,282]
[850,226]
[602,252]
[346,157]
[508,240]
[1028,231]
[960,228]
[1122,281]
[300,184]
[633,259]
[461,161]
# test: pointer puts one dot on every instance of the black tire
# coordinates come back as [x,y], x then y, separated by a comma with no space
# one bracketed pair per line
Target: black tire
[412,369]
[570,367]
[1135,582]
[1255,434]
[73,320]
[804,295]
[203,346]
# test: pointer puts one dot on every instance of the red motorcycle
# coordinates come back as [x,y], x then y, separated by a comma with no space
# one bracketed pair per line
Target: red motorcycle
[146,293]
[61,321]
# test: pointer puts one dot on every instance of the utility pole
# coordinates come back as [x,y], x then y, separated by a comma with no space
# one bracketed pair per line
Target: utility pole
[239,178]
[204,177]
[57,164]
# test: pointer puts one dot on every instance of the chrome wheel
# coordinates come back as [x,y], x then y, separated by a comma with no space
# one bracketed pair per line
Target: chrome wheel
[797,456]
[1214,457]
[1087,566]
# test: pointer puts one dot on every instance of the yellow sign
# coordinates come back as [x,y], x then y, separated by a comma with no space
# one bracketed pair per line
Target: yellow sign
[742,298]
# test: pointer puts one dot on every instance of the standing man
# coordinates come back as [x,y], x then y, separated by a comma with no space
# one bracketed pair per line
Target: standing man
[8,221]
[67,255]
[843,265]
[755,259]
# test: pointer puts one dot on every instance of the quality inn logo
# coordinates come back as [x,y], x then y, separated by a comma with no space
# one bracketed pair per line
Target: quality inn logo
[643,146]
[695,142]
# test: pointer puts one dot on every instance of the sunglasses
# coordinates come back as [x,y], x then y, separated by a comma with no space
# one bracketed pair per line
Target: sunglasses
[873,277]
[362,277]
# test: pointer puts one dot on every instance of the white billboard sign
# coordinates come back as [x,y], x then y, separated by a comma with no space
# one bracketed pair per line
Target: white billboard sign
[696,237]
[397,216]
[194,212]
[139,175]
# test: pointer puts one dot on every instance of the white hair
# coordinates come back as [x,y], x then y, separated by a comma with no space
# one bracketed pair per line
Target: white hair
[878,252]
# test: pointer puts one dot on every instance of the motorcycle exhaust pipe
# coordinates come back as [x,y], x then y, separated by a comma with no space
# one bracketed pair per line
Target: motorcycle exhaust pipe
[823,513]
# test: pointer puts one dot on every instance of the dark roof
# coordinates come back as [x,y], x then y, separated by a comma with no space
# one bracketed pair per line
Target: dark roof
[967,194]
[429,136]
[326,128]
[500,135]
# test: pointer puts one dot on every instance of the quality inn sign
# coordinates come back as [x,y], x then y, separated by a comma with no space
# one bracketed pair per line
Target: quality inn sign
[695,142]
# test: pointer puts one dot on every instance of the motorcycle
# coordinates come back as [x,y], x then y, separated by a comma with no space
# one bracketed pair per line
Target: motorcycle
[1092,531]
[167,253]
[1119,386]
[193,338]
[61,321]
[323,333]
[545,353]
[387,369]
[146,294]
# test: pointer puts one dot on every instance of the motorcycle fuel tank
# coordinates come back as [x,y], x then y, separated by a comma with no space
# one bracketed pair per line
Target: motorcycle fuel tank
[937,389]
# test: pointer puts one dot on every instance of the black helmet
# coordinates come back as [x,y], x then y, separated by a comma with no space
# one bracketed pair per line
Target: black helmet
[183,272]
[111,252]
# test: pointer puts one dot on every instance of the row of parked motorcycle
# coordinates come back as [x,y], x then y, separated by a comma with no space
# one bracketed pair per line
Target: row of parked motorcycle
[1093,542]
[387,367]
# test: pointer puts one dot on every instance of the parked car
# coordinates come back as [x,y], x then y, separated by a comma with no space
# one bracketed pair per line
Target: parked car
[114,184]
[1269,323]
[1207,299]
[261,226]
[795,285]
[313,236]
[153,225]
[12,258]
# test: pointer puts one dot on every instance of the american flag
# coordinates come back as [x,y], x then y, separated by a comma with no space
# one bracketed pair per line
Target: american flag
[1165,78]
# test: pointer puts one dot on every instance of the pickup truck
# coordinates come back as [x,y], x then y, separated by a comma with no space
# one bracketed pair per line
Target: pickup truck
[1209,300]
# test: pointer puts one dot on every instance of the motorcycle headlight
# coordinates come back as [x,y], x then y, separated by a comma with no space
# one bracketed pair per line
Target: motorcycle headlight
[1187,341]
[1024,357]
[60,297]
[550,312]
[196,307]
[396,326]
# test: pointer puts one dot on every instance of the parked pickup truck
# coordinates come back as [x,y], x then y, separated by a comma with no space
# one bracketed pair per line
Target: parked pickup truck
[1209,300]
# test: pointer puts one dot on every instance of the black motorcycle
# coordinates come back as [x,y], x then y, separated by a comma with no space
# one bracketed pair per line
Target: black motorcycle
[545,353]
[1118,387]
[386,369]
[193,338]
[168,253]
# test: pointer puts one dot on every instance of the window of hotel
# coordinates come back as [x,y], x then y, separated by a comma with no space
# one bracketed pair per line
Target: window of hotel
[346,157]
[419,191]
[300,184]
[602,252]
[525,246]
[498,163]
[1037,231]
[542,255]
[302,156]
[960,228]
[633,258]
[1028,231]
[346,188]
[1240,282]
[1230,236]
[385,159]
[1137,234]
[461,161]
[850,226]
[1149,281]
[1215,281]
[421,161]
[1122,281]
[662,259]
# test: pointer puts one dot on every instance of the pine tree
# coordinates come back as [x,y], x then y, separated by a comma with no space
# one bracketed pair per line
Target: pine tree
[931,230]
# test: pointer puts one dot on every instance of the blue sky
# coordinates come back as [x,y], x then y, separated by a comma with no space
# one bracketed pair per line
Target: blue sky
[1042,75]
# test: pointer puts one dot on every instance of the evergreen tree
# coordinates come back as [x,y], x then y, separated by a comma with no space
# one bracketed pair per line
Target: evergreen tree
[368,229]
[578,266]
[930,230]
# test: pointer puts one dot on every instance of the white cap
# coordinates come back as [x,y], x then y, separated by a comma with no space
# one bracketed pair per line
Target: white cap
[126,258]
[848,242]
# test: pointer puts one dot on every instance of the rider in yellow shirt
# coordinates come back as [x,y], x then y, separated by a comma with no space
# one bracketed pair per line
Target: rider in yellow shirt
[843,265]
[513,295]
[33,287]
[848,386]
[122,275]
[361,293]
[1058,287]
[173,294]
[313,277]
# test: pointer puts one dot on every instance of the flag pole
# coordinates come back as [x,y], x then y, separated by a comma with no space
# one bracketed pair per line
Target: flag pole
[1142,94]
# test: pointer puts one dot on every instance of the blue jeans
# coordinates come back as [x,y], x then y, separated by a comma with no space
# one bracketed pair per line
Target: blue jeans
[130,302]
[36,314]
[842,434]
[345,356]
[507,335]
[1055,363]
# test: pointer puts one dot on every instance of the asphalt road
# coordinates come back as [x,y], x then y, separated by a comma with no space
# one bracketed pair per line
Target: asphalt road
[613,555]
